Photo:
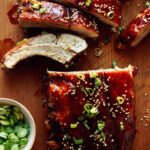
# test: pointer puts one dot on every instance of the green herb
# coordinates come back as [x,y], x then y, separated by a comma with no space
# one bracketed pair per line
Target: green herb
[120,100]
[121,126]
[114,64]
[73,125]
[110,14]
[77,141]
[102,137]
[90,91]
[88,3]
[36,6]
[81,76]
[42,10]
[147,3]
[22,42]
[93,75]
[86,125]
[98,82]
[100,125]
[90,110]
[14,130]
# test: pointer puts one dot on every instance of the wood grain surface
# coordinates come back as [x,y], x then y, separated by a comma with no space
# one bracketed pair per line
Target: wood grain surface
[24,83]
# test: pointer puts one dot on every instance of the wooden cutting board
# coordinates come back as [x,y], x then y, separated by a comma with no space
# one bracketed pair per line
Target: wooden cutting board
[24,83]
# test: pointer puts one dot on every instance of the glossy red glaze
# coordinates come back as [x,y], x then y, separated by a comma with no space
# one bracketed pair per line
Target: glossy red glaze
[99,8]
[136,27]
[11,14]
[57,16]
[68,100]
[104,7]
[5,46]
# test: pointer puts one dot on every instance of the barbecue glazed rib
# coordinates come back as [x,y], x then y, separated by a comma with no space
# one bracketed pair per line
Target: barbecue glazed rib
[91,110]
[51,15]
[136,30]
[108,11]
[62,48]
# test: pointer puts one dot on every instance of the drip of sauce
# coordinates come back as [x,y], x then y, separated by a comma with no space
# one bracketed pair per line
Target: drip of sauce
[5,46]
[13,17]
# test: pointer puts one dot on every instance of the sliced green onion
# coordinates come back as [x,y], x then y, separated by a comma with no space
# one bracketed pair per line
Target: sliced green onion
[121,126]
[77,141]
[73,125]
[22,42]
[98,82]
[2,147]
[100,125]
[3,111]
[36,6]
[2,117]
[114,64]
[102,137]
[86,125]
[90,91]
[147,3]
[42,10]
[3,135]
[22,132]
[120,100]
[88,3]
[93,75]
[88,107]
[110,15]
[4,122]
[23,142]
[81,76]
[90,110]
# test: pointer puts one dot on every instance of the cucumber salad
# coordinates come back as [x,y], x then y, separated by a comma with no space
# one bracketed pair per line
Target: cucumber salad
[14,130]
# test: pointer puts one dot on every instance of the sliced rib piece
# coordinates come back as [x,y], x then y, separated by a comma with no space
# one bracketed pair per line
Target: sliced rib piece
[91,109]
[51,15]
[108,11]
[136,30]
[62,48]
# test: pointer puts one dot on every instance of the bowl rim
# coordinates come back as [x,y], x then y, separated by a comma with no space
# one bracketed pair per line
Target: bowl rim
[28,117]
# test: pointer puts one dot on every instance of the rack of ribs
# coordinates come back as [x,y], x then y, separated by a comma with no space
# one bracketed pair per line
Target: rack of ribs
[136,30]
[107,11]
[32,13]
[91,109]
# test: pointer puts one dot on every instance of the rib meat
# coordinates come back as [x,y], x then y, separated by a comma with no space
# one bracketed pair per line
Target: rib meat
[136,30]
[108,11]
[51,15]
[91,109]
[62,48]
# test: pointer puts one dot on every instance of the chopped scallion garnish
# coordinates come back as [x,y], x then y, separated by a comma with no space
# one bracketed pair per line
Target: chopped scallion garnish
[78,141]
[90,110]
[87,126]
[81,76]
[120,100]
[93,75]
[100,125]
[114,64]
[73,125]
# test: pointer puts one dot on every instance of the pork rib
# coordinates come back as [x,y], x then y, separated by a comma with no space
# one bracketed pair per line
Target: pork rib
[136,30]
[51,15]
[62,48]
[108,11]
[91,109]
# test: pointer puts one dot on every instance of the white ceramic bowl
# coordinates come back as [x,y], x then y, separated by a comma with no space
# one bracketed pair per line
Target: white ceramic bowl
[28,118]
